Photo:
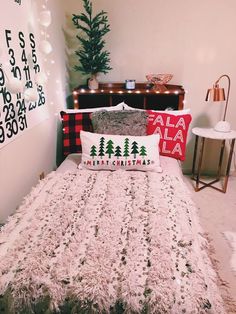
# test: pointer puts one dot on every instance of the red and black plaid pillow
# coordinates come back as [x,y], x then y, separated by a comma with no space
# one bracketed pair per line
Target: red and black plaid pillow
[72,124]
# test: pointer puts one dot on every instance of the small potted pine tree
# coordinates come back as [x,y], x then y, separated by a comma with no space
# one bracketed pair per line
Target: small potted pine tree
[93,58]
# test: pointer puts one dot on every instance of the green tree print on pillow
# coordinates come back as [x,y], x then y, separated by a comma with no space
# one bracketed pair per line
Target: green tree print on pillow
[93,151]
[110,148]
[134,149]
[143,151]
[118,152]
[126,148]
[101,151]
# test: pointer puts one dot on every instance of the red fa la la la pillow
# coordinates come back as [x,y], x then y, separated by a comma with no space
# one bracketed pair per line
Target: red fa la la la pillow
[173,130]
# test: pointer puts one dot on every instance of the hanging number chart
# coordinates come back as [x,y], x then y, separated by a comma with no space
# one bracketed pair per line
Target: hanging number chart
[18,112]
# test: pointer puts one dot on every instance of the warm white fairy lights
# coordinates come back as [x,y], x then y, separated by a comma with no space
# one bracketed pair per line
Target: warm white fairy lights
[45,20]
[121,92]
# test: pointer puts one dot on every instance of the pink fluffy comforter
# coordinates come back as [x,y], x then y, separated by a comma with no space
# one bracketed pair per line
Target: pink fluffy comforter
[103,239]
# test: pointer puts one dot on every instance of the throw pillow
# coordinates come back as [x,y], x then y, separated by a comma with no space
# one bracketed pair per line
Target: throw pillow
[125,122]
[72,124]
[173,130]
[75,120]
[113,152]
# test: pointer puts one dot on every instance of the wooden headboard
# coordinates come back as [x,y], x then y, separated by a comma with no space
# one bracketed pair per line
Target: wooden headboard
[143,96]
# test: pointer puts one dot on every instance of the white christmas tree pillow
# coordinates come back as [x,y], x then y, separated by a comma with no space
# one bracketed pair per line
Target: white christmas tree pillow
[113,152]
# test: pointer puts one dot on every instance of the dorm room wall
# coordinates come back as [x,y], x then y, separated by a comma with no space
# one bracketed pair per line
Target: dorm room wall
[193,40]
[23,159]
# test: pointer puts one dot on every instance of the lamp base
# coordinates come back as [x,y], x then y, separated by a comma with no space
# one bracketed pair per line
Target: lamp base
[222,126]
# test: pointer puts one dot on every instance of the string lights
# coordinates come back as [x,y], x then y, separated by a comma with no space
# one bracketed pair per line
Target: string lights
[142,91]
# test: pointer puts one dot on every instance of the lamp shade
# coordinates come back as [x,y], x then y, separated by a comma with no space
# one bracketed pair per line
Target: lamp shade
[215,94]
[218,94]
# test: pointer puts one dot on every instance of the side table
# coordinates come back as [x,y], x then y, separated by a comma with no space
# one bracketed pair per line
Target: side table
[209,133]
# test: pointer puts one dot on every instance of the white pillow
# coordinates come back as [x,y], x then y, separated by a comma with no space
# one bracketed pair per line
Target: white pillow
[120,106]
[113,152]
[168,110]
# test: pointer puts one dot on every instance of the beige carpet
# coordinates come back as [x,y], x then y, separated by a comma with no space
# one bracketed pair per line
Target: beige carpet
[217,212]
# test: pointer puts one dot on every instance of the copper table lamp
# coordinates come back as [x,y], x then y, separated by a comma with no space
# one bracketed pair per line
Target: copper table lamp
[218,94]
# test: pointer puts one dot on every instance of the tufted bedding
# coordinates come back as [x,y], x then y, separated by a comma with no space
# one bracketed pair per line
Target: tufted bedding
[107,242]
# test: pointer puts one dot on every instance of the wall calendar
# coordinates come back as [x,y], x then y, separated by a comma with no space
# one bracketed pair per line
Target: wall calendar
[20,61]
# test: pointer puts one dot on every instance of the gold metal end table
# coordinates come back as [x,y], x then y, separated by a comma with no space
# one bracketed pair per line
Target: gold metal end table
[208,133]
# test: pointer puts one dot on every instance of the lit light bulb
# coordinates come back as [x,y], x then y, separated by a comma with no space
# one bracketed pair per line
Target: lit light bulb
[45,18]
[31,94]
[40,78]
[14,85]
[45,46]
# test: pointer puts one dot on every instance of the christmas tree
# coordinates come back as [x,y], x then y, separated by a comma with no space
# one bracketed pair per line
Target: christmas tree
[118,152]
[93,151]
[126,148]
[101,147]
[143,151]
[92,57]
[134,149]
[110,148]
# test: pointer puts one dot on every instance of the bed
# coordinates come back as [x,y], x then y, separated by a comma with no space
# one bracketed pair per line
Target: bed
[101,241]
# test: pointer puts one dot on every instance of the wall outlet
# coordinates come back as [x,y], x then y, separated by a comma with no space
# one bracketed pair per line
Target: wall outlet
[41,175]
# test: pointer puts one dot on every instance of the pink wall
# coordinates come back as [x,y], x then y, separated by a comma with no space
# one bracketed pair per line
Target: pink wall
[193,40]
[22,160]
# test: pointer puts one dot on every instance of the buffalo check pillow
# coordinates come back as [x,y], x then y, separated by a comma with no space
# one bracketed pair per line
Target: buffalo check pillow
[113,152]
[173,130]
[73,124]
[75,120]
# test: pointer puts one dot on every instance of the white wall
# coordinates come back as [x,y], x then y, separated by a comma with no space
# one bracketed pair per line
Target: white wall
[193,40]
[22,160]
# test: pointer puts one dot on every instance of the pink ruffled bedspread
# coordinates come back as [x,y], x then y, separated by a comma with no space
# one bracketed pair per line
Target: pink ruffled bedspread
[104,238]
